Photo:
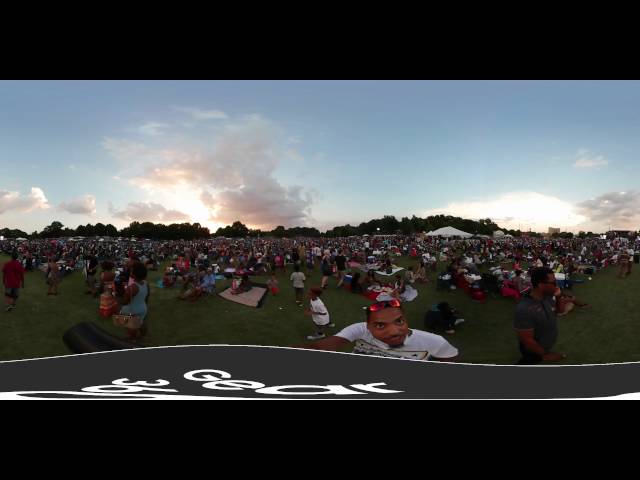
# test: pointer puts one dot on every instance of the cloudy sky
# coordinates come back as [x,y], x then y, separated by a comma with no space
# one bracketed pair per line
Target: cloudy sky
[529,155]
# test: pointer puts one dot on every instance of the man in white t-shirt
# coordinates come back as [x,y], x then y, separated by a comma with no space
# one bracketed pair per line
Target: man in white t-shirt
[319,314]
[386,333]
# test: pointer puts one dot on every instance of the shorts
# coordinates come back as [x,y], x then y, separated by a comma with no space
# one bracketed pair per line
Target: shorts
[299,291]
[91,280]
[11,292]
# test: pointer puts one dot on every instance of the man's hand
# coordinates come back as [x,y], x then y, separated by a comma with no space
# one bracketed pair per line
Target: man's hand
[307,312]
[553,357]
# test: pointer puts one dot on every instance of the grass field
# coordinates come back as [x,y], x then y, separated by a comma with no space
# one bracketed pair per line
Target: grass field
[607,332]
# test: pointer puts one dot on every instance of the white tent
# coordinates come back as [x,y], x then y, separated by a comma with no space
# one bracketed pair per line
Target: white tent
[449,232]
[21,239]
[498,233]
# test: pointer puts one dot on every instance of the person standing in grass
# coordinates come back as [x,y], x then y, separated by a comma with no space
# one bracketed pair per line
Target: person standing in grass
[623,261]
[90,270]
[12,279]
[325,267]
[298,278]
[136,299]
[318,313]
[272,283]
[53,276]
[535,321]
[341,263]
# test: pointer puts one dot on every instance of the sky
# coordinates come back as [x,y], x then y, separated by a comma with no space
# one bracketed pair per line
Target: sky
[527,154]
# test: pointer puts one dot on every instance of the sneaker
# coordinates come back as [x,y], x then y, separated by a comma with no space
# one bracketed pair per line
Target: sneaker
[9,308]
[315,337]
[459,321]
[332,325]
[450,332]
[453,287]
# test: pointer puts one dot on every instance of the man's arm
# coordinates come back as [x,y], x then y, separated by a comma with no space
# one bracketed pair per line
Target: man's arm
[530,343]
[329,343]
[445,360]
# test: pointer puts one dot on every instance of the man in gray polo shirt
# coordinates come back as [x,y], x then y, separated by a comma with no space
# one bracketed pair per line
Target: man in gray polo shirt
[535,321]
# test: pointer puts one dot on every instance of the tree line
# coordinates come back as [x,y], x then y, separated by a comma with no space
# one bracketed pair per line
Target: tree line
[387,225]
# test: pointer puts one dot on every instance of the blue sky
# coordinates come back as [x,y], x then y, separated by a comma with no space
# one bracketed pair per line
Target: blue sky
[528,154]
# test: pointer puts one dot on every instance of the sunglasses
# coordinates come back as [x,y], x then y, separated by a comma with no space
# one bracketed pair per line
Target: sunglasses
[376,307]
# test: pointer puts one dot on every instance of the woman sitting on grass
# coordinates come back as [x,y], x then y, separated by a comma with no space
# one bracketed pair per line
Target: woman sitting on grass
[244,286]
[565,303]
[421,273]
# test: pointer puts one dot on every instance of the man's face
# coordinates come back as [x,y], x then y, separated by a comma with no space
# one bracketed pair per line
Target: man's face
[549,285]
[389,326]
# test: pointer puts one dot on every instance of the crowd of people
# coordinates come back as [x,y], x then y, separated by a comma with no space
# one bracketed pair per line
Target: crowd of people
[116,271]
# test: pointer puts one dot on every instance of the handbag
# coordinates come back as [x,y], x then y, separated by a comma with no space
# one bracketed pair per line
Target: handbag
[129,321]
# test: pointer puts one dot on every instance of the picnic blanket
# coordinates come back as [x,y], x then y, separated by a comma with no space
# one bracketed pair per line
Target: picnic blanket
[372,293]
[252,298]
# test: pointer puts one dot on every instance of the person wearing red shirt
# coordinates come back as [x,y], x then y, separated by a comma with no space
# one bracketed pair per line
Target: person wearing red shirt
[12,279]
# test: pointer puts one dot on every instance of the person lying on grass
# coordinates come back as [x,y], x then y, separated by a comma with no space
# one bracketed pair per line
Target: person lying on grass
[386,333]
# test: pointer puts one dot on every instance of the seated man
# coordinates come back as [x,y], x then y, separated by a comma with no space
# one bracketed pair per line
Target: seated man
[386,333]
[208,282]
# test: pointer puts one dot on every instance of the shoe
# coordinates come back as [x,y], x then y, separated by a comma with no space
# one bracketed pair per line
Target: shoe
[315,337]
[332,325]
[9,308]
[459,321]
[450,332]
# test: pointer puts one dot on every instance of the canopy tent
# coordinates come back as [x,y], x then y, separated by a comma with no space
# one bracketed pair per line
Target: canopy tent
[449,232]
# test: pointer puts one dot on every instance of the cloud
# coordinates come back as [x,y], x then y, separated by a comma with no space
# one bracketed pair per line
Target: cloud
[153,129]
[587,160]
[262,204]
[620,210]
[524,210]
[147,212]
[15,202]
[199,114]
[234,179]
[85,205]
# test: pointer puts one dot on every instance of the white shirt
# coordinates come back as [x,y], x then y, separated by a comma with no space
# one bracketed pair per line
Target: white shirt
[318,306]
[419,345]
